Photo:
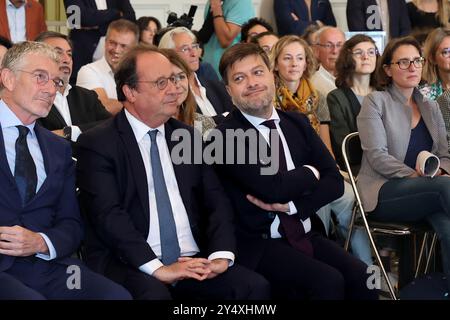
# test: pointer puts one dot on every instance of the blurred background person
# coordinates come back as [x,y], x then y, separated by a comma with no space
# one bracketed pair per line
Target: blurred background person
[294,16]
[148,28]
[266,40]
[254,27]
[428,14]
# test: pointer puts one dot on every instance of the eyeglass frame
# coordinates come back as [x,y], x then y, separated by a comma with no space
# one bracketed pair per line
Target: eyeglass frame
[329,45]
[58,83]
[359,52]
[174,78]
[188,48]
[413,62]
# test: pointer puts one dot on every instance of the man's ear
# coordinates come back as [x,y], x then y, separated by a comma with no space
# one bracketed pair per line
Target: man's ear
[228,89]
[8,79]
[129,93]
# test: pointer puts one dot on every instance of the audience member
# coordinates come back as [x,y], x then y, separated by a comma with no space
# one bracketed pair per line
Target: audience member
[294,16]
[40,223]
[395,125]
[75,109]
[428,14]
[148,28]
[274,208]
[161,228]
[254,27]
[266,40]
[99,76]
[21,20]
[390,16]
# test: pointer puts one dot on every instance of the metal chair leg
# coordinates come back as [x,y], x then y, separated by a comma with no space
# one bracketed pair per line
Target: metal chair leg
[350,228]
[433,244]
[422,249]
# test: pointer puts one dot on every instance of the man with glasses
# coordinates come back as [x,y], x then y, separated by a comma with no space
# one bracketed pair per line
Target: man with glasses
[40,223]
[210,95]
[329,43]
[75,109]
[159,227]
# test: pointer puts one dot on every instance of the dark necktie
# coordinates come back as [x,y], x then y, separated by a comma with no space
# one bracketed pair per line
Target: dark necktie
[290,226]
[170,249]
[25,169]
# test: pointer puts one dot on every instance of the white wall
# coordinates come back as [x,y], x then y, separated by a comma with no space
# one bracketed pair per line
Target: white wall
[263,8]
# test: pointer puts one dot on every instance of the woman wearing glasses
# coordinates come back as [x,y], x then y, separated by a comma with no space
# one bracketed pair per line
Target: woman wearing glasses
[355,79]
[394,126]
[436,71]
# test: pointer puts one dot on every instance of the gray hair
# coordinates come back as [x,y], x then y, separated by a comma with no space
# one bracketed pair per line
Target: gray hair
[323,29]
[14,57]
[167,42]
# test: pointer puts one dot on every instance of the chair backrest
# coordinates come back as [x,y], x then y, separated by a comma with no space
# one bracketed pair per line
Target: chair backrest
[352,151]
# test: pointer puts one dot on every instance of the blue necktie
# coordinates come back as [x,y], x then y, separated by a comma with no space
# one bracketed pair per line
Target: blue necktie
[290,226]
[25,169]
[170,249]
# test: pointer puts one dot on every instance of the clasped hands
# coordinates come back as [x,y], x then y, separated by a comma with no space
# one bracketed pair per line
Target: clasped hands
[20,242]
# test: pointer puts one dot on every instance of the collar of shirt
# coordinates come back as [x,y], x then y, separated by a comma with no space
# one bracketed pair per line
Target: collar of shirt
[66,91]
[8,119]
[9,4]
[104,66]
[139,128]
[101,4]
[256,121]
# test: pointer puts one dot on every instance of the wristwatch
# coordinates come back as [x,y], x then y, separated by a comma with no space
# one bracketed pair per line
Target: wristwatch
[67,132]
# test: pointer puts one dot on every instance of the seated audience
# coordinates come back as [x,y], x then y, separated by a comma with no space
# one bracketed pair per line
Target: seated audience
[40,223]
[99,75]
[75,109]
[253,27]
[273,208]
[161,228]
[294,16]
[436,71]
[395,125]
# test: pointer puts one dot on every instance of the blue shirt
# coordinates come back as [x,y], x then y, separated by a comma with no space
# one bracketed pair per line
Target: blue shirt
[234,11]
[16,22]
[420,140]
[8,122]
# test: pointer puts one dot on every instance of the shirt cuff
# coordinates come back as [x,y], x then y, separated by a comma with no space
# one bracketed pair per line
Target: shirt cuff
[151,266]
[76,131]
[292,208]
[314,170]
[51,249]
[223,255]
[306,225]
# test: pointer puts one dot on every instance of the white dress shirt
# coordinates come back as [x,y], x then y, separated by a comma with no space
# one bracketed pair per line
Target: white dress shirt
[98,74]
[202,101]
[62,105]
[188,246]
[16,22]
[101,4]
[9,121]
[265,132]
[323,81]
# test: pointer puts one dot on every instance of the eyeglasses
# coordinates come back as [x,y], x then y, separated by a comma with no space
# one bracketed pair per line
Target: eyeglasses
[42,78]
[404,64]
[193,47]
[372,52]
[162,83]
[330,45]
[445,52]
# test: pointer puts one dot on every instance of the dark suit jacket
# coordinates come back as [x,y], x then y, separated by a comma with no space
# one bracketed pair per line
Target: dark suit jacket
[320,10]
[114,196]
[357,17]
[344,108]
[85,108]
[298,185]
[54,209]
[34,20]
[85,40]
[217,95]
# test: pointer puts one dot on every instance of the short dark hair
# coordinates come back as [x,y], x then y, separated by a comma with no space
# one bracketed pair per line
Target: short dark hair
[250,24]
[126,73]
[383,79]
[5,42]
[256,38]
[41,37]
[238,52]
[345,64]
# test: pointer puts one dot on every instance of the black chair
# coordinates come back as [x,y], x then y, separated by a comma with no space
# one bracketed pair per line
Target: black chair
[352,154]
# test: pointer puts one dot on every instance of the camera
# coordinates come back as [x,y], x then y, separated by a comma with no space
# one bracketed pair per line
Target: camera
[185,20]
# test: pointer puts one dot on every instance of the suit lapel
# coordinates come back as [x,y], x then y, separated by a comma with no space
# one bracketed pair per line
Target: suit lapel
[4,166]
[54,113]
[49,163]
[137,165]
[4,27]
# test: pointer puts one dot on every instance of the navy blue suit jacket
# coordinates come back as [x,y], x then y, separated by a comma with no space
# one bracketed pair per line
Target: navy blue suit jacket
[320,10]
[298,185]
[54,209]
[114,196]
[357,17]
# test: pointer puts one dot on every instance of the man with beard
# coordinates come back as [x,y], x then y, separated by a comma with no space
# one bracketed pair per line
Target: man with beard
[75,109]
[40,223]
[274,232]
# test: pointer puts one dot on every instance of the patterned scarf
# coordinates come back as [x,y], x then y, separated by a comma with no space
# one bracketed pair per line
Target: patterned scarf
[305,100]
